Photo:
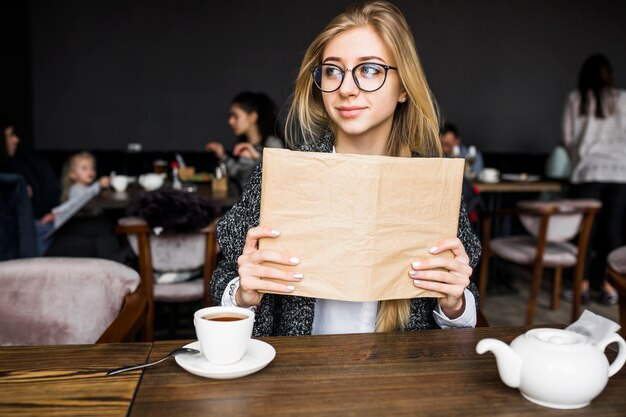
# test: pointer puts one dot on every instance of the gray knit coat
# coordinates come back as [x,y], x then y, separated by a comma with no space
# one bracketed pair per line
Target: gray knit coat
[282,315]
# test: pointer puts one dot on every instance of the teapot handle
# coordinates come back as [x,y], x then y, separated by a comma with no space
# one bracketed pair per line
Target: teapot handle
[621,356]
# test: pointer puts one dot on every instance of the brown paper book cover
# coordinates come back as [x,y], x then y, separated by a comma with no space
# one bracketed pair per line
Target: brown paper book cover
[358,221]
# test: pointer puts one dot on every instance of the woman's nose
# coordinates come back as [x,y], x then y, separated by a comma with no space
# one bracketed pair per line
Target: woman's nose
[348,86]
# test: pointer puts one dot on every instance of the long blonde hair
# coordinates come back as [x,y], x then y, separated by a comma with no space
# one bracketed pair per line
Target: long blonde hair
[69,167]
[415,127]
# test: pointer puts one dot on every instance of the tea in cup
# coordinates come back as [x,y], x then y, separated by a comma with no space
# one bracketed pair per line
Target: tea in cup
[119,182]
[224,333]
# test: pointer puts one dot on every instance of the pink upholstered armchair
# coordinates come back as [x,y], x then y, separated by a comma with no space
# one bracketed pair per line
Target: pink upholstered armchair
[551,225]
[69,301]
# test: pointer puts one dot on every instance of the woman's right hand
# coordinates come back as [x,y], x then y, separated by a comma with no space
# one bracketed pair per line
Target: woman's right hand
[217,148]
[252,274]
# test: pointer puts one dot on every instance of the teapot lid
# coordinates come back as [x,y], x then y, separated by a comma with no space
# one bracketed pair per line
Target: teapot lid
[561,339]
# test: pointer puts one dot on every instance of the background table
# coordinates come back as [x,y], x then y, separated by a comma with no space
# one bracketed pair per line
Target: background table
[434,373]
[518,187]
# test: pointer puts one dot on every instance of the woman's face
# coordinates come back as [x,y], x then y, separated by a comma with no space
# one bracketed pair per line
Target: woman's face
[360,115]
[84,171]
[11,140]
[240,121]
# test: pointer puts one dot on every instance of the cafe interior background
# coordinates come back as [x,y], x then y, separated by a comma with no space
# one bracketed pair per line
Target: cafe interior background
[101,76]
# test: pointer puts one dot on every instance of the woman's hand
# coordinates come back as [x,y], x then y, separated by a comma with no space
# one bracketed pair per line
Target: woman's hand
[217,148]
[246,150]
[252,273]
[451,281]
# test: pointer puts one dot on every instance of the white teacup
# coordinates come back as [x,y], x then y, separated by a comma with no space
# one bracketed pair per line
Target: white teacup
[119,182]
[489,175]
[224,333]
[151,182]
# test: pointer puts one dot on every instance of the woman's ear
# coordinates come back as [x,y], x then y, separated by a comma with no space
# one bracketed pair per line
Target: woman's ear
[72,175]
[403,97]
[254,117]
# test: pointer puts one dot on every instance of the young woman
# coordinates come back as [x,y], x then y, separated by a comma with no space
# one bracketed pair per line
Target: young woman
[360,90]
[594,132]
[253,118]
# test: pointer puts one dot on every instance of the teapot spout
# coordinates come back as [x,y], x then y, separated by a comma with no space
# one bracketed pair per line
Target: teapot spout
[509,363]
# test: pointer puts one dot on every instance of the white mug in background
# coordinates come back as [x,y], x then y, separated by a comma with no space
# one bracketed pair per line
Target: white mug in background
[224,333]
[151,182]
[489,175]
[119,182]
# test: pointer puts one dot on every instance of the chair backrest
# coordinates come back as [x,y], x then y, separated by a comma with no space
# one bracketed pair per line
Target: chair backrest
[170,252]
[67,301]
[565,217]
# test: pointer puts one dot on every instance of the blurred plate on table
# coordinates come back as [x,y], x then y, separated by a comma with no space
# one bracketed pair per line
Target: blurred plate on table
[522,177]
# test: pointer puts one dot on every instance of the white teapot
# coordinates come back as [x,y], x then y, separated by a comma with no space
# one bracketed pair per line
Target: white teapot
[151,182]
[555,368]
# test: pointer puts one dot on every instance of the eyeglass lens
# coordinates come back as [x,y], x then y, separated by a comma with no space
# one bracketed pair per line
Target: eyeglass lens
[367,76]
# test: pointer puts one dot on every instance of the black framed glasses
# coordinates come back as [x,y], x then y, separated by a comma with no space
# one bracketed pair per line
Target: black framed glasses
[368,76]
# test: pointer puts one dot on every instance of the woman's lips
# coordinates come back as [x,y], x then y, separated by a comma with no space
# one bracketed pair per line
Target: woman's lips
[349,111]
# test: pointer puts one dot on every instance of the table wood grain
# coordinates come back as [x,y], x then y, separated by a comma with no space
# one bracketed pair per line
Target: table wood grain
[68,380]
[429,373]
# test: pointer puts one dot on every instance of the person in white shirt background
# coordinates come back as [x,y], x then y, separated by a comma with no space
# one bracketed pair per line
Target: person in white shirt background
[360,90]
[594,133]
[453,147]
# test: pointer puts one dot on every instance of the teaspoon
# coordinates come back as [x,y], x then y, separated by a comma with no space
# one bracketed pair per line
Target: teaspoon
[180,351]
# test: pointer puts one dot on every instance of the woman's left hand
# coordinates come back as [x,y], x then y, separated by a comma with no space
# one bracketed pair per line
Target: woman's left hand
[451,279]
[246,150]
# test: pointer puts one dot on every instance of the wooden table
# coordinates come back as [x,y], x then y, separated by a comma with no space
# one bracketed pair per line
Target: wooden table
[430,373]
[433,373]
[68,380]
[109,199]
[518,187]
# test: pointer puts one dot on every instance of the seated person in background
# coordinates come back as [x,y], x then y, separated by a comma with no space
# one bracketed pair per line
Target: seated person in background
[452,147]
[78,174]
[253,118]
[36,171]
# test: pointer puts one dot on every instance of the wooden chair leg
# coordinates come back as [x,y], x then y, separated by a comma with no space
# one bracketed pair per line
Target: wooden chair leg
[556,288]
[484,262]
[534,293]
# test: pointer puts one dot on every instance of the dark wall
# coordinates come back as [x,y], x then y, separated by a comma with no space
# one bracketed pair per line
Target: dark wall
[15,75]
[162,72]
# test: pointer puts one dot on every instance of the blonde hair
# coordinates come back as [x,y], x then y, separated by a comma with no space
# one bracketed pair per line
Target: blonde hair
[69,167]
[415,127]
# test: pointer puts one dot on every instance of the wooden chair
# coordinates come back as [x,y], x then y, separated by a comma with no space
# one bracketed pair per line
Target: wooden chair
[155,251]
[616,267]
[551,225]
[481,320]
[70,301]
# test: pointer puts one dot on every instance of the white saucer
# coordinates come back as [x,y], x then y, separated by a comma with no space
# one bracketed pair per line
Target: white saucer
[258,355]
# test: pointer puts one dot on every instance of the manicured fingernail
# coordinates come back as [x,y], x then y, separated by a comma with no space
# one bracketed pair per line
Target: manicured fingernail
[417,282]
[290,288]
[275,232]
[433,249]
[298,276]
[413,273]
[416,264]
[294,260]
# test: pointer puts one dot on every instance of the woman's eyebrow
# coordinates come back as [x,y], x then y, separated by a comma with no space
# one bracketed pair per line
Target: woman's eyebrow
[360,59]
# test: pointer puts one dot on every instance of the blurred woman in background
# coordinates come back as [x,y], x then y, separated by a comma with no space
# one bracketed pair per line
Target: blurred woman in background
[254,119]
[594,133]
